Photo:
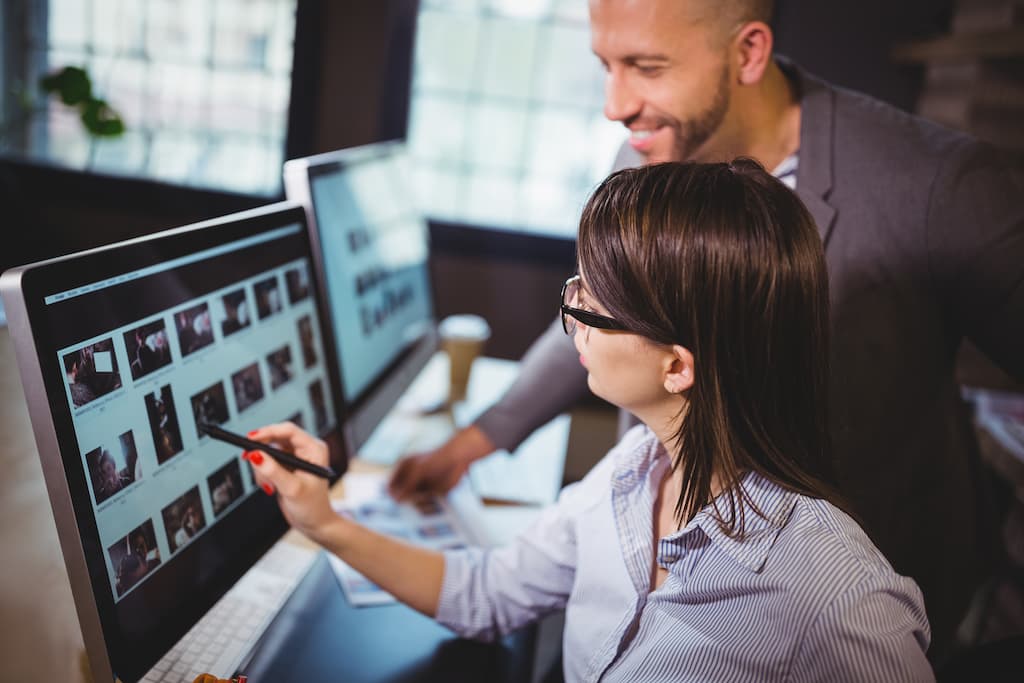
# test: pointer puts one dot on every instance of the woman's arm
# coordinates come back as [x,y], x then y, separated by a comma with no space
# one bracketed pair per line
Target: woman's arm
[410,573]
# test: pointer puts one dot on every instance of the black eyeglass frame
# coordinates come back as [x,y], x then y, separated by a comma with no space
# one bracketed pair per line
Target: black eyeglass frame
[588,318]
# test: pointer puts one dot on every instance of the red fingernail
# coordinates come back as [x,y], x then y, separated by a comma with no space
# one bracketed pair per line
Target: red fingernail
[253,433]
[245,455]
[268,489]
[255,458]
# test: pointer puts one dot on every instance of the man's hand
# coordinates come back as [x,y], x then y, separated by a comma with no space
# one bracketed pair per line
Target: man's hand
[439,470]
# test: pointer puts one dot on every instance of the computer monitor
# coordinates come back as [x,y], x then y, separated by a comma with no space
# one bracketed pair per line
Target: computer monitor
[371,249]
[122,350]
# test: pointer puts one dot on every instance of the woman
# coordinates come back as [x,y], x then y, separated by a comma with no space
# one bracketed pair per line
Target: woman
[707,545]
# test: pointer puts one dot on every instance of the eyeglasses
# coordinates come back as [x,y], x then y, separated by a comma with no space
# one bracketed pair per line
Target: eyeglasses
[570,313]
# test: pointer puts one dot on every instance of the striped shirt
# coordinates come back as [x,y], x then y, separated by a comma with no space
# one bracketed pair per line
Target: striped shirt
[805,597]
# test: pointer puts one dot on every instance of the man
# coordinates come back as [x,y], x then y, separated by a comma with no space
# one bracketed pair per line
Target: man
[924,237]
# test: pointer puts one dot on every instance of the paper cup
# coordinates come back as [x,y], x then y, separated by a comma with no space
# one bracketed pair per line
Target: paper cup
[462,339]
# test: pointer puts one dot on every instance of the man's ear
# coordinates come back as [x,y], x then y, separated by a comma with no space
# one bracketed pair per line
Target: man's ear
[753,45]
[678,370]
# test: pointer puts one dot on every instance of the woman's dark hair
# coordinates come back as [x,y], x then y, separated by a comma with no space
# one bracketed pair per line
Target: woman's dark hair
[724,260]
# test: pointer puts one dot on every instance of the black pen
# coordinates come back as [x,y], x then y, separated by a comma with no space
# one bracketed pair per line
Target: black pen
[283,457]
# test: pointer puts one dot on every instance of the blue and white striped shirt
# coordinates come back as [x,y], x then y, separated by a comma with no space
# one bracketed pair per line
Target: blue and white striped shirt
[804,597]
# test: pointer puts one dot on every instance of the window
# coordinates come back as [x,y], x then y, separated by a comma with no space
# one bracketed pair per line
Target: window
[506,127]
[202,86]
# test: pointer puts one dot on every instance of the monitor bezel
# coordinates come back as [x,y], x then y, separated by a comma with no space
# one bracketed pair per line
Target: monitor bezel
[364,412]
[110,652]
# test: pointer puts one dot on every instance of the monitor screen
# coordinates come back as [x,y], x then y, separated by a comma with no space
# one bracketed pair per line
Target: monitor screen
[372,256]
[123,351]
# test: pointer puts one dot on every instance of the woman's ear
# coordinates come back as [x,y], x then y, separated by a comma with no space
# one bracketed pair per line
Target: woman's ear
[679,370]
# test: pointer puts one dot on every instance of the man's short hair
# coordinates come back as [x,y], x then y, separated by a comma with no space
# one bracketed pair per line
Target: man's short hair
[729,15]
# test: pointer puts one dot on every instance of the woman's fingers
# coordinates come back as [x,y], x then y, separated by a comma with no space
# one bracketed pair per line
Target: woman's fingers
[289,437]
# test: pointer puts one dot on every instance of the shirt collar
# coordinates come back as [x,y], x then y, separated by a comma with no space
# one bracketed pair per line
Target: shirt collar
[775,502]
[634,464]
[634,468]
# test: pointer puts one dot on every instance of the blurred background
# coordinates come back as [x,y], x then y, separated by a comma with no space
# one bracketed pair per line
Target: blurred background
[500,102]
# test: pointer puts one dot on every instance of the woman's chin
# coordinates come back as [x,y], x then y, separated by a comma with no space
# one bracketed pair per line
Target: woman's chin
[595,389]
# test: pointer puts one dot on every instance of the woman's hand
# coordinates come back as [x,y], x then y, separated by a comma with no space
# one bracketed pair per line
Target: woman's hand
[302,496]
[412,574]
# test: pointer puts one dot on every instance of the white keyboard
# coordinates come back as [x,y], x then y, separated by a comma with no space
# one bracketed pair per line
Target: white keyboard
[219,642]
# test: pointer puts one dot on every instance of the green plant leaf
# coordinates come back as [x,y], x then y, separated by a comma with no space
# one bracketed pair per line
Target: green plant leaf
[71,83]
[101,120]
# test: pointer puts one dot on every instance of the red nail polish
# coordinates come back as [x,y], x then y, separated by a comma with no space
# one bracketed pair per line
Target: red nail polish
[245,455]
[252,433]
[255,458]
[268,489]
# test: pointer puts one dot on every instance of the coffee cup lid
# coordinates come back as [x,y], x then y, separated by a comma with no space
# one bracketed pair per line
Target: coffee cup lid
[464,326]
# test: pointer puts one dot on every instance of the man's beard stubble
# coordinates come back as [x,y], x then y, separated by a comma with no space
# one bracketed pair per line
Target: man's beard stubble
[692,134]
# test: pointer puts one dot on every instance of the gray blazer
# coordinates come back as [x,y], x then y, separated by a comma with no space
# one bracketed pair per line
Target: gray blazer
[924,236]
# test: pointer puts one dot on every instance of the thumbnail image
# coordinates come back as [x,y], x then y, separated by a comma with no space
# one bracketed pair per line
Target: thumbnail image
[210,405]
[248,386]
[316,398]
[297,280]
[268,297]
[148,348]
[113,469]
[184,518]
[280,364]
[92,372]
[236,312]
[134,556]
[225,486]
[163,422]
[195,331]
[309,356]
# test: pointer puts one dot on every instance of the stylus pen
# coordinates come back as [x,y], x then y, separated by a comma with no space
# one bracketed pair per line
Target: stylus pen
[283,457]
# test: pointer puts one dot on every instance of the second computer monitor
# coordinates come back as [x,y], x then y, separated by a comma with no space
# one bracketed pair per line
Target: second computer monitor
[371,255]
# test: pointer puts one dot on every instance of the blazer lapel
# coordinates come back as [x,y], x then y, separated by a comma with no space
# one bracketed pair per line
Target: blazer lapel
[814,172]
[821,211]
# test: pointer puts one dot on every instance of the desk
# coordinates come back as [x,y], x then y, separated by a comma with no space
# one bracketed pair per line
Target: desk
[41,636]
